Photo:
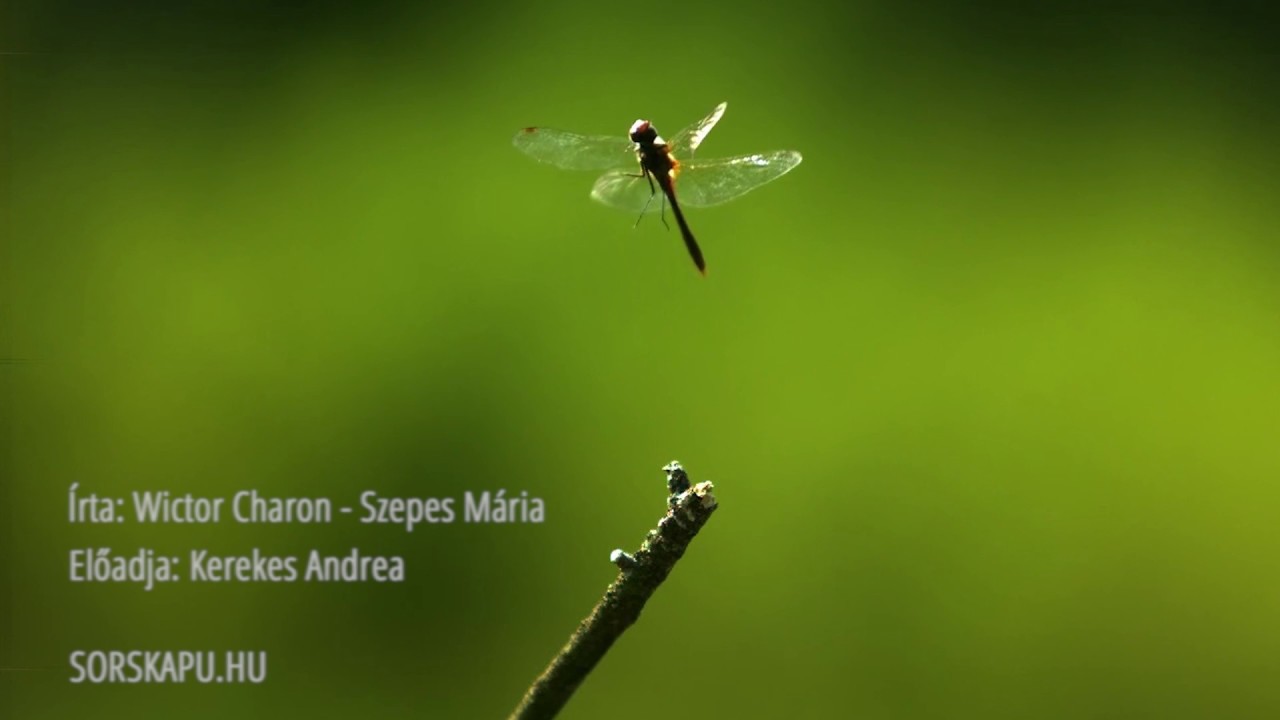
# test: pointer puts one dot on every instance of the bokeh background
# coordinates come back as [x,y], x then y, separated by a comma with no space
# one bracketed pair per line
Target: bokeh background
[988,385]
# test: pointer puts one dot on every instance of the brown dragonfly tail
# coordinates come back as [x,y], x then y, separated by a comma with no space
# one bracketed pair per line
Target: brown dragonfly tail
[690,244]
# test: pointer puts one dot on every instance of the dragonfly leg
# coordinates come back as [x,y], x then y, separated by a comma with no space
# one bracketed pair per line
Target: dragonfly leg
[652,191]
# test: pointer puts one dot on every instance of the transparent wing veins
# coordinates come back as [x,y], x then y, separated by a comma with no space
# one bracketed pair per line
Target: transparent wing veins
[700,183]
[688,139]
[572,151]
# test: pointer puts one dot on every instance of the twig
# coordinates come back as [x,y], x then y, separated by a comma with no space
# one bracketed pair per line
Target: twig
[687,510]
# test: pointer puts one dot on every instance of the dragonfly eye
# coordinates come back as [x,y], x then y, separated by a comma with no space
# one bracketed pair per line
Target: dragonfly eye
[642,131]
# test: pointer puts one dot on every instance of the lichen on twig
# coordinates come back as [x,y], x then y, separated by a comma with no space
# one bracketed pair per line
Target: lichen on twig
[688,508]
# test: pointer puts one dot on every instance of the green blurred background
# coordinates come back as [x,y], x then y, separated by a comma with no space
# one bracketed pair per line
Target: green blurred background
[988,385]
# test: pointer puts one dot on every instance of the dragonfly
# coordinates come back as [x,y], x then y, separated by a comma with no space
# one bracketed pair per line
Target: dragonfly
[696,182]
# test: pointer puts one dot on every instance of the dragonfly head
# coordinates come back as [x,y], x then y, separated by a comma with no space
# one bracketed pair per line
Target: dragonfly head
[643,132]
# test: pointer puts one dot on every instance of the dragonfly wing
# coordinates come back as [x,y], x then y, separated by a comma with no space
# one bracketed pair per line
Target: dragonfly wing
[688,139]
[628,190]
[572,151]
[702,183]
